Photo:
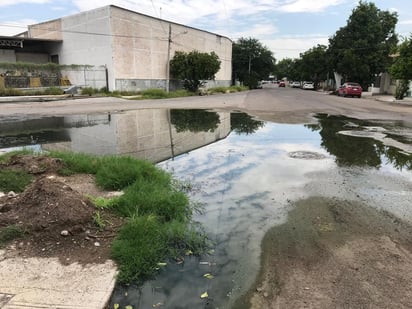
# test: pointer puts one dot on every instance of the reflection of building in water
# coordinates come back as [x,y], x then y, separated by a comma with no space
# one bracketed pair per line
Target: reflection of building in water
[146,134]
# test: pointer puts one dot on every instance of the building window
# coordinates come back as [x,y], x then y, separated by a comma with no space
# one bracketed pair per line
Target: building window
[54,59]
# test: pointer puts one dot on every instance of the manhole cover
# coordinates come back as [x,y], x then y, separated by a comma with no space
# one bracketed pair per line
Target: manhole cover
[307,155]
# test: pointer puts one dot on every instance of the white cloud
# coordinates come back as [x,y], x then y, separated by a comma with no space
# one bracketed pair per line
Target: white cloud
[305,6]
[17,2]
[406,22]
[10,28]
[291,47]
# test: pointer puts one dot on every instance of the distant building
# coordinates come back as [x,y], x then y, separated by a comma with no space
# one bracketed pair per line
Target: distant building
[133,49]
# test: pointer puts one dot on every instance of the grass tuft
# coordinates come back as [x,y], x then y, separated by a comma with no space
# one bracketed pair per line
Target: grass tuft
[10,233]
[14,180]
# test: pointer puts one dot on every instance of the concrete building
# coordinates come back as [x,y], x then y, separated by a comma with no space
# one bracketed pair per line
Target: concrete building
[134,49]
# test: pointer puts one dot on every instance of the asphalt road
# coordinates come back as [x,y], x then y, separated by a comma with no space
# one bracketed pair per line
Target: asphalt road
[287,105]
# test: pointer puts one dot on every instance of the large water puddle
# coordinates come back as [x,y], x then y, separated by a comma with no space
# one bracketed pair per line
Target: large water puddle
[247,174]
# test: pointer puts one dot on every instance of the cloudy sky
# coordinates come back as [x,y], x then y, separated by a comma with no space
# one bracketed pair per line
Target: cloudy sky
[287,27]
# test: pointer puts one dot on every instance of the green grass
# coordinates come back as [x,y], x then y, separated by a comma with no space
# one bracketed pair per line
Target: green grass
[159,212]
[10,233]
[14,180]
[156,206]
[157,93]
[146,241]
[227,89]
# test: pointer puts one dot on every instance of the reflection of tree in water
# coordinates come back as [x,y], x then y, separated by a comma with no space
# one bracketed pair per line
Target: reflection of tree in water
[351,150]
[348,150]
[194,120]
[242,123]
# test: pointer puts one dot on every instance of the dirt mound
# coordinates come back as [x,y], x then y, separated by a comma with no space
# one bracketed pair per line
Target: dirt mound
[57,220]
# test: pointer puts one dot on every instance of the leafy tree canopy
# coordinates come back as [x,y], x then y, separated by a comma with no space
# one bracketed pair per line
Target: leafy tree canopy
[402,67]
[252,61]
[361,49]
[194,67]
[314,64]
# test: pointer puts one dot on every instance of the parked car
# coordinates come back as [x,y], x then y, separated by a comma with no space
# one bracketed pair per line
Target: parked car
[308,86]
[295,84]
[350,89]
[282,83]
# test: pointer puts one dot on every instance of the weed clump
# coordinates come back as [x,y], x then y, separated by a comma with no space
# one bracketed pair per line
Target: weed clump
[10,233]
[159,214]
[14,180]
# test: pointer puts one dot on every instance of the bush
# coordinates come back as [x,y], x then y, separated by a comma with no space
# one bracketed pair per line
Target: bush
[53,91]
[88,91]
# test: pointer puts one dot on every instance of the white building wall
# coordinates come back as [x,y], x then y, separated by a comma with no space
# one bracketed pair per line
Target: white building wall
[140,49]
[133,47]
[87,40]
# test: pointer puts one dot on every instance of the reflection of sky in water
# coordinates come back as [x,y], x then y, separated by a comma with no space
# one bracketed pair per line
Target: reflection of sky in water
[246,182]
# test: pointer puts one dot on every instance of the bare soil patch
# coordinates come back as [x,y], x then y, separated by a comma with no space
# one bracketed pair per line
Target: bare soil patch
[57,215]
[335,254]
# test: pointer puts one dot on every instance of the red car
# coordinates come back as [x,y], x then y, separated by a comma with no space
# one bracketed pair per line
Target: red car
[350,89]
[282,84]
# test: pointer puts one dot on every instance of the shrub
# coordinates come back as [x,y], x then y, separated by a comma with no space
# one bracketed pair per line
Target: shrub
[77,162]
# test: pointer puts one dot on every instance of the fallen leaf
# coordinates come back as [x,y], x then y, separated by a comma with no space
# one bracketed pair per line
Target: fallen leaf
[162,264]
[128,307]
[116,306]
[208,276]
[204,295]
[189,252]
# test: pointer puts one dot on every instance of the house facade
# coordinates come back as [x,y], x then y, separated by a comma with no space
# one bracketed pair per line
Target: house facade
[134,49]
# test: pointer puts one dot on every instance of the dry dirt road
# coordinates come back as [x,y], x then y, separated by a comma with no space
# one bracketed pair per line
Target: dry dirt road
[331,253]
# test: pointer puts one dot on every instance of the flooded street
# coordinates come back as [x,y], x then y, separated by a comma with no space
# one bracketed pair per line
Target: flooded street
[251,177]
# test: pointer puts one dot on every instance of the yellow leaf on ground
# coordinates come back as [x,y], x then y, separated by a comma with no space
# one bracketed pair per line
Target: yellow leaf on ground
[208,276]
[204,295]
[161,264]
[116,306]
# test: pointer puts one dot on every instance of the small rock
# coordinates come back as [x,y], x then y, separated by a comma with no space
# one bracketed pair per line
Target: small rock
[97,244]
[11,194]
[64,233]
[306,288]
[2,194]
[266,294]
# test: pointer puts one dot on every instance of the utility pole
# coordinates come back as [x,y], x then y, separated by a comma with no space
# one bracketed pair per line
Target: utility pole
[169,45]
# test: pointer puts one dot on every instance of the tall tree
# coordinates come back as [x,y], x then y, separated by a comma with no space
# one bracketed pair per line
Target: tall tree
[402,68]
[315,64]
[194,67]
[289,68]
[361,49]
[252,61]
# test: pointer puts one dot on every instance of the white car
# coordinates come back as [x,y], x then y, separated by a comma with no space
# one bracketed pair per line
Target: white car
[295,84]
[308,86]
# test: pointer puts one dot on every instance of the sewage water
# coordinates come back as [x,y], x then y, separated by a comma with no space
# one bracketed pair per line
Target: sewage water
[247,173]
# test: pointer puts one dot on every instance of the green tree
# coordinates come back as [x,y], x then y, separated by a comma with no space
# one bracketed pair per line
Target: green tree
[251,61]
[314,64]
[289,68]
[194,68]
[361,49]
[402,68]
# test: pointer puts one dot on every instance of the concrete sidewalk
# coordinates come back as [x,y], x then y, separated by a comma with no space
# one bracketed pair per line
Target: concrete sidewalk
[46,283]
